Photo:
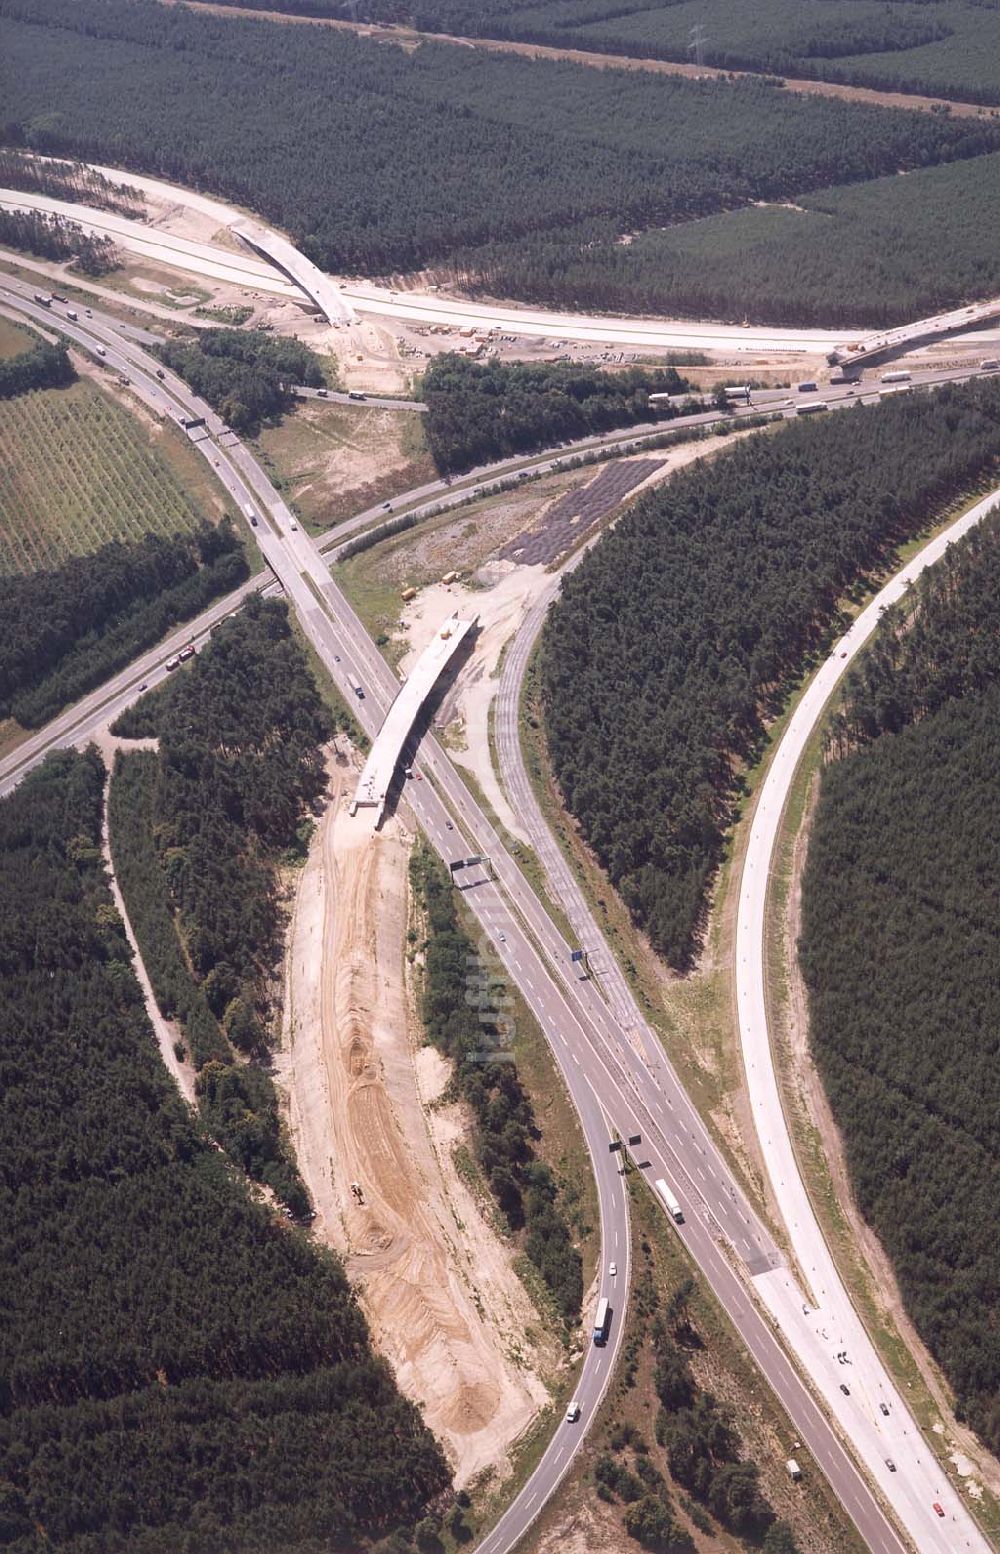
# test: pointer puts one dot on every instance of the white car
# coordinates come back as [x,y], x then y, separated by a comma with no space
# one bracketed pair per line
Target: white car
[573,1412]
[612,1270]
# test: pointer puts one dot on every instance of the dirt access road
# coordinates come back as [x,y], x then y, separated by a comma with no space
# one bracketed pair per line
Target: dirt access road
[435,1280]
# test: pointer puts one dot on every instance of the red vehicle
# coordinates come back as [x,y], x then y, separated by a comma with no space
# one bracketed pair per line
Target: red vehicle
[939,1509]
[186,653]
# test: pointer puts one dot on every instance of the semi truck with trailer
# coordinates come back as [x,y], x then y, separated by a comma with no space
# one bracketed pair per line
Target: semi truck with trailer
[673,1207]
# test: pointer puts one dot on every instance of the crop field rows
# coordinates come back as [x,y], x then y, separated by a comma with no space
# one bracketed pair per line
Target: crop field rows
[75,472]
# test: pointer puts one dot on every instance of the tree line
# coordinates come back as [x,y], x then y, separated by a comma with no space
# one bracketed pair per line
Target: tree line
[54,237]
[245,374]
[43,366]
[477,413]
[65,630]
[901,873]
[198,830]
[179,1368]
[466,1024]
[74,181]
[475,151]
[678,638]
[237,1101]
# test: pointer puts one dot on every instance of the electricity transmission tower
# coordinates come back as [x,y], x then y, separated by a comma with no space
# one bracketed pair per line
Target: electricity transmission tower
[697,44]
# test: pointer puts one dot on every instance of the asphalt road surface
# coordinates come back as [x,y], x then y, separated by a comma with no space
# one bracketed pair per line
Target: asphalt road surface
[612,1085]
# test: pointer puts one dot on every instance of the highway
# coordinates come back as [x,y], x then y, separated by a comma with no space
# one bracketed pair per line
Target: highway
[371,401]
[837,1327]
[805,1316]
[345,648]
[596,1056]
[610,1086]
[220,263]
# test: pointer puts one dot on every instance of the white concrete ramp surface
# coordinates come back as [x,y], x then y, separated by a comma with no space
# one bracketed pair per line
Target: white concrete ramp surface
[286,257]
[383,758]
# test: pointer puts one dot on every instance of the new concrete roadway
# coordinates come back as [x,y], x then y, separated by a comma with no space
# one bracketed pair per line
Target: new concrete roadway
[216,262]
[611,1084]
[836,1326]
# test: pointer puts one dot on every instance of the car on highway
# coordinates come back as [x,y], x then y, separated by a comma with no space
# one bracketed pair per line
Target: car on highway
[573,1412]
[884,1409]
[448,826]
[612,1270]
[144,686]
[845,1389]
[938,1509]
[502,937]
[160,373]
[293,527]
[890,1464]
[101,351]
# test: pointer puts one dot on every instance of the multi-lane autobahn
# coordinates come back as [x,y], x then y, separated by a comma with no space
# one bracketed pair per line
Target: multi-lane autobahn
[613,1085]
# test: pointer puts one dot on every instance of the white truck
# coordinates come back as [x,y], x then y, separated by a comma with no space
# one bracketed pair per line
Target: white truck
[673,1207]
[356,686]
[793,1470]
[250,511]
[895,377]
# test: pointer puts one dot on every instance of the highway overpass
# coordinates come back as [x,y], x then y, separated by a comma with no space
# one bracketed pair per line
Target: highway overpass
[383,758]
[286,257]
[890,342]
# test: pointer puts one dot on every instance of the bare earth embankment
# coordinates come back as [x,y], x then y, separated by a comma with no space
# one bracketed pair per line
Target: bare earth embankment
[435,1280]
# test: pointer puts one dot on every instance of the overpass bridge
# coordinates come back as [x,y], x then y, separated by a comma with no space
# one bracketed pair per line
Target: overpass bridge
[383,758]
[889,342]
[307,276]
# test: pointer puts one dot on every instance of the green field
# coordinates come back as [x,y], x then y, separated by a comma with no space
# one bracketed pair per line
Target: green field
[76,470]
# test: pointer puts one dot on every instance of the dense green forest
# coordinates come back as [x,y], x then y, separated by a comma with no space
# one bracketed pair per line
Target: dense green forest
[198,831]
[870,255]
[474,152]
[238,1101]
[465,1029]
[245,374]
[43,366]
[66,630]
[901,875]
[680,635]
[478,413]
[945,47]
[179,1369]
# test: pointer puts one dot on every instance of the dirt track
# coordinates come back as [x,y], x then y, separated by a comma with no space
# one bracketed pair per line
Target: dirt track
[436,1282]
